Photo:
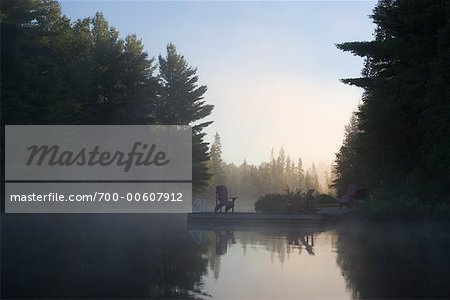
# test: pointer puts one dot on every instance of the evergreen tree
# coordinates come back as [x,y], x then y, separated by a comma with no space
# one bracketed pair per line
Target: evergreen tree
[300,175]
[32,88]
[139,84]
[112,78]
[280,165]
[315,178]
[309,184]
[55,72]
[345,167]
[218,174]
[402,141]
[327,182]
[180,101]
[265,185]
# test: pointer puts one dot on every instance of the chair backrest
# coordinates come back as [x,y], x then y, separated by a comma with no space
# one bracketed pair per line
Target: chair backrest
[221,193]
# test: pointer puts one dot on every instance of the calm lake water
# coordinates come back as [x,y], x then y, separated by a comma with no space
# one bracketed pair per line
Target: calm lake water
[160,256]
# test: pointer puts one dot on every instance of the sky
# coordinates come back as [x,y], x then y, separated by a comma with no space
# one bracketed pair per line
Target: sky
[271,67]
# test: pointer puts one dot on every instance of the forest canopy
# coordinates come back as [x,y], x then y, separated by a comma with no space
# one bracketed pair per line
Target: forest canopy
[398,141]
[55,71]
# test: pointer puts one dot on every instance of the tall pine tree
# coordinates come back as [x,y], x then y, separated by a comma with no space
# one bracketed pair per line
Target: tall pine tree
[180,100]
[402,140]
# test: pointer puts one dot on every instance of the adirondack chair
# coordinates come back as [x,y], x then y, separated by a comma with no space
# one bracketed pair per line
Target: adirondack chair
[222,199]
[348,197]
[306,204]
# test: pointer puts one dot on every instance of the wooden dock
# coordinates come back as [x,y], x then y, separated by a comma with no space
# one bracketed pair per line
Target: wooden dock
[251,219]
[256,218]
[334,213]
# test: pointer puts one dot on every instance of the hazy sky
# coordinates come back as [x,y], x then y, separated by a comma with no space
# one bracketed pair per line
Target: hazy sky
[271,68]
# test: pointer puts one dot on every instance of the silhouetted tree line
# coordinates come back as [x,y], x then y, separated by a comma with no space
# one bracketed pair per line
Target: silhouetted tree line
[55,71]
[250,181]
[398,141]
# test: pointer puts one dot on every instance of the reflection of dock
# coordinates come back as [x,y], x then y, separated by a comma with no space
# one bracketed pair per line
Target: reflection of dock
[227,234]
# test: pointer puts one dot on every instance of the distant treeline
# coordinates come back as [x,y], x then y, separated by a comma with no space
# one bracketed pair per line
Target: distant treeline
[398,141]
[54,71]
[249,181]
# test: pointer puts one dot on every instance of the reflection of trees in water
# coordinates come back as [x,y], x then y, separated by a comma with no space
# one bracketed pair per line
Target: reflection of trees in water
[178,269]
[254,240]
[279,244]
[100,256]
[217,245]
[223,237]
[395,260]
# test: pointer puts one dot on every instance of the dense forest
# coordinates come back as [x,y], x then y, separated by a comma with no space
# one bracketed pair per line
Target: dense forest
[55,71]
[397,143]
[278,175]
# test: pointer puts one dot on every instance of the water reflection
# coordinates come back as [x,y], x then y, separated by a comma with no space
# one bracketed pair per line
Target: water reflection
[306,240]
[100,256]
[276,238]
[395,260]
[160,256]
[279,242]
[271,262]
[223,237]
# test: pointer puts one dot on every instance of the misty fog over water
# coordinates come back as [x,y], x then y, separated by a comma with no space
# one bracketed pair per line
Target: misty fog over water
[161,256]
